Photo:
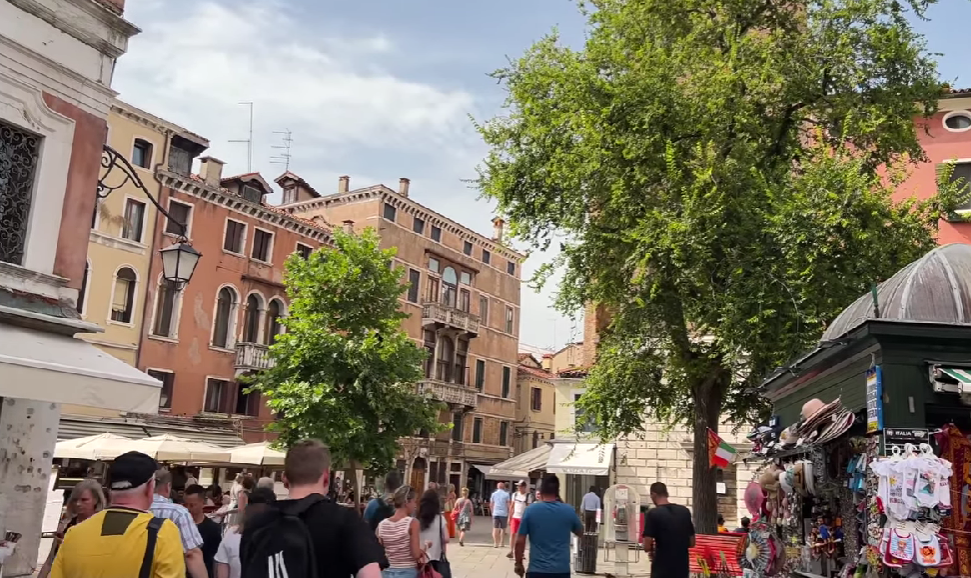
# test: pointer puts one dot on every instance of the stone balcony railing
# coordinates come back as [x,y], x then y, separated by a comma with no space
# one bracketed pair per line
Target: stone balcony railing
[434,313]
[252,357]
[451,393]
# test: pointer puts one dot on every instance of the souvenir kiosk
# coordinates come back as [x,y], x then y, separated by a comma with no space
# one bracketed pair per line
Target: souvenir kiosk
[881,499]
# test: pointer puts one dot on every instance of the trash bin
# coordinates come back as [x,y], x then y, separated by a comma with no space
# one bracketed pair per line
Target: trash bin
[587,553]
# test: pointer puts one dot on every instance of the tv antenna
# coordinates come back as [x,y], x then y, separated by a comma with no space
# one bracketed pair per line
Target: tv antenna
[248,141]
[283,158]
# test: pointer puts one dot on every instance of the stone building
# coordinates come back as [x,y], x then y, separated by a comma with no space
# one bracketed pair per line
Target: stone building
[464,309]
[536,408]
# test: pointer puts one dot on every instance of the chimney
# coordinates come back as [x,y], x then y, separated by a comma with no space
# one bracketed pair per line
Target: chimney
[403,185]
[343,184]
[497,225]
[212,170]
[348,225]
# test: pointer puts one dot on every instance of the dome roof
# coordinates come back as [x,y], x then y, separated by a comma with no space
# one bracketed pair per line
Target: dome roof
[934,288]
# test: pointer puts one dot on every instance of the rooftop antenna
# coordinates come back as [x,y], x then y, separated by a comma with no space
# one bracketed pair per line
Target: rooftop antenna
[248,141]
[284,157]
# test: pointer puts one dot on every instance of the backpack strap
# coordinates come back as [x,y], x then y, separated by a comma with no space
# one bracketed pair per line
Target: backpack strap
[154,525]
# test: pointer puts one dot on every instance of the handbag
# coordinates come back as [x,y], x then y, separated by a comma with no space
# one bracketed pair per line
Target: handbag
[442,565]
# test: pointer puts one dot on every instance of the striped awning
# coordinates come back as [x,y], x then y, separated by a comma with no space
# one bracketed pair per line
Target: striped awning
[77,426]
[963,376]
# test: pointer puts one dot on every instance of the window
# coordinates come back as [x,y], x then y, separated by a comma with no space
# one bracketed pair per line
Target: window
[579,417]
[390,212]
[19,149]
[168,379]
[180,160]
[479,374]
[414,282]
[273,326]
[457,426]
[430,339]
[503,433]
[251,325]
[509,319]
[465,297]
[304,250]
[961,177]
[224,324]
[418,226]
[178,221]
[461,355]
[486,257]
[511,268]
[262,245]
[216,392]
[235,231]
[536,399]
[477,430]
[141,153]
[449,287]
[247,403]
[131,229]
[446,355]
[506,373]
[484,310]
[957,121]
[535,439]
[467,248]
[252,194]
[465,278]
[164,325]
[84,288]
[123,298]
[436,233]
[433,264]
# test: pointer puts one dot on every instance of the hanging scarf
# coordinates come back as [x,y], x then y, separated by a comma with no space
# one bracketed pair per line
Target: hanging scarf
[956,449]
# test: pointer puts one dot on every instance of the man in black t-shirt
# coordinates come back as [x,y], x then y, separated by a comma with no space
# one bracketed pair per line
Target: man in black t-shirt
[668,534]
[195,502]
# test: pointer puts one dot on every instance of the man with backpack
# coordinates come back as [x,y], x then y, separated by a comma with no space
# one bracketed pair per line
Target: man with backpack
[308,535]
[380,508]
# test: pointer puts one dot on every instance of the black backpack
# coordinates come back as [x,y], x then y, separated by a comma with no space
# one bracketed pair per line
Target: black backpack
[278,544]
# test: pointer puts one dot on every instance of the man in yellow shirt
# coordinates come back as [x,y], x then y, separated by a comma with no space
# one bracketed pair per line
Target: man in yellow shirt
[125,540]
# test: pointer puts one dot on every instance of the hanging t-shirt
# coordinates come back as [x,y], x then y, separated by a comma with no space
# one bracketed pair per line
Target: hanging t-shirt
[890,488]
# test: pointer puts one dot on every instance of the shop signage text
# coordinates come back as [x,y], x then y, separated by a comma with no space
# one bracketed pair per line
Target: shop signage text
[874,399]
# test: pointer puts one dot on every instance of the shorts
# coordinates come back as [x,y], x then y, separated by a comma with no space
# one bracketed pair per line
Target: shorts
[399,573]
[499,522]
[514,527]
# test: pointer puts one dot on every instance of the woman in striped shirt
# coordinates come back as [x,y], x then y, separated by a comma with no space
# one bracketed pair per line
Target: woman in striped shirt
[399,535]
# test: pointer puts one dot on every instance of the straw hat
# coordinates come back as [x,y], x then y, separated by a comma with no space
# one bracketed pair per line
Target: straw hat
[811,407]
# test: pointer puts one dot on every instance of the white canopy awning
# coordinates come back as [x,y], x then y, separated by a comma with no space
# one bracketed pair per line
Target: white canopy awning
[62,369]
[484,469]
[519,467]
[584,458]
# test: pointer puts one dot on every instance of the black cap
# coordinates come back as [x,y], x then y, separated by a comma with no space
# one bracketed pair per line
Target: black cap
[130,470]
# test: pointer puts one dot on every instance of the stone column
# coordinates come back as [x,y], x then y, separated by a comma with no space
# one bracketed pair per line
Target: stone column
[28,432]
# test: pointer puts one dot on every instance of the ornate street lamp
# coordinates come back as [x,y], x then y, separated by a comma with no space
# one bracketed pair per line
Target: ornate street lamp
[179,260]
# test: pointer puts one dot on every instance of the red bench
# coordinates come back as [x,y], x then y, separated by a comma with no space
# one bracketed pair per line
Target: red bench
[718,552]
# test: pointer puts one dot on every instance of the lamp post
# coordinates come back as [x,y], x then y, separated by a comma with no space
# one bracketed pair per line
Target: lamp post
[179,260]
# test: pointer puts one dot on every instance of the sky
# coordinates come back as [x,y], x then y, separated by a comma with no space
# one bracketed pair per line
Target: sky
[375,89]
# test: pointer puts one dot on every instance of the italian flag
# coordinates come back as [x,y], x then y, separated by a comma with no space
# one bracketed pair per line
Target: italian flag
[720,454]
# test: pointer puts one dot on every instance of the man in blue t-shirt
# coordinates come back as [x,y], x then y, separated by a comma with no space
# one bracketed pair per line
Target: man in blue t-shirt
[548,524]
[499,504]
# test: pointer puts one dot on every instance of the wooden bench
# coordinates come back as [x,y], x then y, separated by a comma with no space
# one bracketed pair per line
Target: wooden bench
[718,553]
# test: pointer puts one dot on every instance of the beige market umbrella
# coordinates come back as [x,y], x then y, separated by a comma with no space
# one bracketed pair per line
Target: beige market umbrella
[258,454]
[106,446]
[169,448]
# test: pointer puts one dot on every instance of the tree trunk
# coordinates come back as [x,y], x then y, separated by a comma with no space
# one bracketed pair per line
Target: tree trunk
[704,500]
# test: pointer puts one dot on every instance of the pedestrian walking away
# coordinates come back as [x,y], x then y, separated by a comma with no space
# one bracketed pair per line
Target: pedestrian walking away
[124,539]
[308,535]
[499,504]
[380,508]
[520,500]
[463,515]
[401,537]
[547,525]
[668,535]
[164,507]
[227,557]
[590,505]
[434,532]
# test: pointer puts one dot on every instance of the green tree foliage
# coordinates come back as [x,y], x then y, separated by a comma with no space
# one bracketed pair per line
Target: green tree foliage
[715,166]
[345,372]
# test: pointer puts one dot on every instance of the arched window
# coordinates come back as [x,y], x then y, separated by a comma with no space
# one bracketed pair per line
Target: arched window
[449,286]
[446,355]
[254,310]
[225,322]
[123,297]
[273,328]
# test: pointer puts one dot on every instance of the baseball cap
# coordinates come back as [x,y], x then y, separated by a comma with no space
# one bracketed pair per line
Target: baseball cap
[522,483]
[130,470]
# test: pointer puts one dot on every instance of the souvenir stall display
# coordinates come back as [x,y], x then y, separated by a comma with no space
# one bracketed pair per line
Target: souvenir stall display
[804,500]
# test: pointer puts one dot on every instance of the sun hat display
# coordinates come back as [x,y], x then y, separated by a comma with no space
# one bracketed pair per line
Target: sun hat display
[754,498]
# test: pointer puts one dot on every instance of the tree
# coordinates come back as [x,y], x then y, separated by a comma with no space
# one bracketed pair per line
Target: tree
[722,172]
[345,372]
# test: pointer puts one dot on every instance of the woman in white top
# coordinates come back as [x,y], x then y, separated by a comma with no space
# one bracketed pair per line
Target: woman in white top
[227,557]
[434,529]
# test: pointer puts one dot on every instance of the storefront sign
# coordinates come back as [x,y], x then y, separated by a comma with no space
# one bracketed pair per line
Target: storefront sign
[874,400]
[896,435]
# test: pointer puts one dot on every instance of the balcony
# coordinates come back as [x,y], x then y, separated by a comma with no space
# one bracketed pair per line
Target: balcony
[439,314]
[252,357]
[450,393]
